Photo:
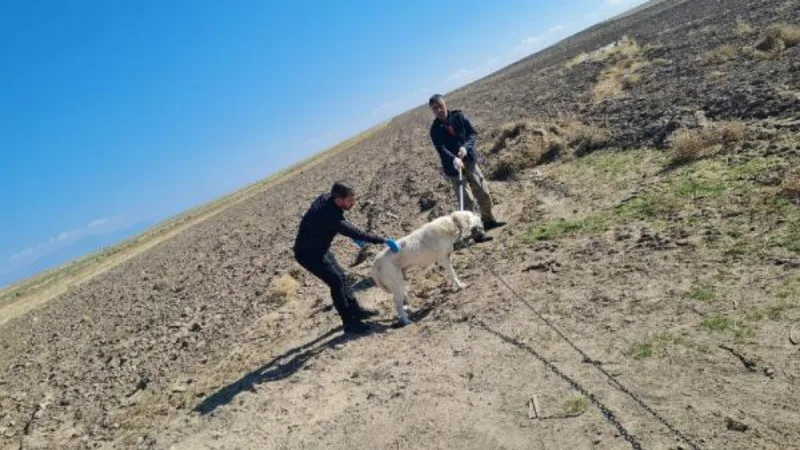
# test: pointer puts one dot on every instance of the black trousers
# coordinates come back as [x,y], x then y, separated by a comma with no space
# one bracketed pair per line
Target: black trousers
[328,270]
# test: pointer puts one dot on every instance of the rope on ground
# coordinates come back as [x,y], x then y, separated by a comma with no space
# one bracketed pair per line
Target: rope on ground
[586,357]
[607,413]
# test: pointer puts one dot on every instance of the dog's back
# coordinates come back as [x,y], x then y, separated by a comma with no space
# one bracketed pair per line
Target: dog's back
[421,247]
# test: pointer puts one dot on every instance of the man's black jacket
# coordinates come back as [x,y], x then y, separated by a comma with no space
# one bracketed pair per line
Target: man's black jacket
[321,223]
[449,135]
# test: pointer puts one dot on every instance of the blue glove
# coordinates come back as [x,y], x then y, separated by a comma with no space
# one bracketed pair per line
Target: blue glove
[393,246]
[360,244]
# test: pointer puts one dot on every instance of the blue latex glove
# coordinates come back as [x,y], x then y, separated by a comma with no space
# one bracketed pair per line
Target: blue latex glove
[360,244]
[393,246]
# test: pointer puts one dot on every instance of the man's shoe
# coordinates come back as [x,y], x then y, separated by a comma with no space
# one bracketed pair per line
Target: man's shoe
[365,313]
[356,328]
[492,224]
[481,238]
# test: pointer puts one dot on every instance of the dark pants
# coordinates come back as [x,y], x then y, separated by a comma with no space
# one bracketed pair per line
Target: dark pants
[328,270]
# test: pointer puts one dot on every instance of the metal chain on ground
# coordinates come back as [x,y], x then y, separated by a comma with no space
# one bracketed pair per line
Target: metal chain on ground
[586,357]
[607,413]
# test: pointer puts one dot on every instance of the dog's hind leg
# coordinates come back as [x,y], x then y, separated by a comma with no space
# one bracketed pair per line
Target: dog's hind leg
[400,301]
[445,262]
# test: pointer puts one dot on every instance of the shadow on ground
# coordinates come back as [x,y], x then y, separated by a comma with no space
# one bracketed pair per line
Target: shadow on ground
[280,367]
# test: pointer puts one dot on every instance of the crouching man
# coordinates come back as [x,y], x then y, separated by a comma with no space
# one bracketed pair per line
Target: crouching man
[319,226]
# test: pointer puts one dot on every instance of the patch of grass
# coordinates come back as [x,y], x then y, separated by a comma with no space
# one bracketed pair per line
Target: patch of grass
[790,240]
[649,346]
[621,71]
[701,294]
[787,215]
[775,312]
[743,28]
[790,189]
[617,79]
[661,62]
[641,351]
[648,207]
[756,167]
[723,323]
[699,188]
[612,163]
[772,312]
[721,55]
[624,48]
[755,315]
[788,289]
[579,59]
[715,74]
[576,406]
[560,228]
[740,247]
[690,145]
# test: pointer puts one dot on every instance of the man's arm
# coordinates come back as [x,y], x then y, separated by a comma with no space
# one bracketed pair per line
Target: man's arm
[471,138]
[438,144]
[346,228]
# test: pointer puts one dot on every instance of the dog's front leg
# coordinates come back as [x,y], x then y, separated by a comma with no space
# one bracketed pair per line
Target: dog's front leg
[400,303]
[445,262]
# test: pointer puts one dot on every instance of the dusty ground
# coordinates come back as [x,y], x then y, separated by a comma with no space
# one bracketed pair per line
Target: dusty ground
[679,277]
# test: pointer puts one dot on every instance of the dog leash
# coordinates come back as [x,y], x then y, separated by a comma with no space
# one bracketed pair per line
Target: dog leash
[461,189]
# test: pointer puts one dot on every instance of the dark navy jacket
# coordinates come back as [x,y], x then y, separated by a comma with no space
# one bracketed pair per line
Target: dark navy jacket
[448,136]
[321,223]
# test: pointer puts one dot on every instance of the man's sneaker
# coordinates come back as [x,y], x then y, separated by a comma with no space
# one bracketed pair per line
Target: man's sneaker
[356,328]
[492,224]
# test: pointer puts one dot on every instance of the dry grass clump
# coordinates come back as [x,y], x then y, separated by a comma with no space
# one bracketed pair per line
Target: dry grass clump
[743,28]
[721,55]
[624,48]
[790,188]
[526,144]
[284,287]
[777,39]
[621,71]
[690,145]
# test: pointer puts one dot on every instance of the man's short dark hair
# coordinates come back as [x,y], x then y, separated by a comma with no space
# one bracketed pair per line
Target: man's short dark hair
[435,98]
[341,190]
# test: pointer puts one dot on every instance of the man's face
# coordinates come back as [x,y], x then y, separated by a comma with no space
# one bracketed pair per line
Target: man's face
[346,203]
[439,109]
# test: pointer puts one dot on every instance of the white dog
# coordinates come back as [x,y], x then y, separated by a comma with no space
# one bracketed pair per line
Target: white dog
[431,243]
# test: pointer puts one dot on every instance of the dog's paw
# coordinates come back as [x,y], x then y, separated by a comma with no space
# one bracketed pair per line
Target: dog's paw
[403,322]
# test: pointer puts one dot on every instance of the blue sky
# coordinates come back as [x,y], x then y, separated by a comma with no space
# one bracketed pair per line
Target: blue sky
[114,115]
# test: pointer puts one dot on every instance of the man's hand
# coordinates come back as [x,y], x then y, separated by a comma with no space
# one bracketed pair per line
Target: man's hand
[462,152]
[393,246]
[458,164]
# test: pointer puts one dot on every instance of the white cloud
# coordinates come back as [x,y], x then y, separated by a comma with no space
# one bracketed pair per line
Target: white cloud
[99,227]
[523,48]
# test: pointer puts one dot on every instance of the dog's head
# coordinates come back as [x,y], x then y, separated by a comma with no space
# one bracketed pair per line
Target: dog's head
[468,223]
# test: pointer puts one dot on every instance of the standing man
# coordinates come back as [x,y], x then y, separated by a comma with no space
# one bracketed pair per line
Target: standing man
[454,139]
[320,224]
